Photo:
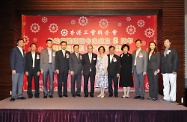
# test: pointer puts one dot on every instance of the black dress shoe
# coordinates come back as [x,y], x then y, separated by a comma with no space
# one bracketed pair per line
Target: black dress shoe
[37,96]
[154,99]
[86,95]
[116,96]
[73,95]
[110,95]
[65,95]
[12,99]
[78,95]
[136,97]
[45,96]
[142,98]
[21,98]
[149,98]
[60,96]
[30,97]
[91,95]
[50,96]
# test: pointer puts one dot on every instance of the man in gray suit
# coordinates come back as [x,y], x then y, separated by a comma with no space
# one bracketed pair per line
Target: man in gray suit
[75,67]
[17,65]
[47,66]
[139,69]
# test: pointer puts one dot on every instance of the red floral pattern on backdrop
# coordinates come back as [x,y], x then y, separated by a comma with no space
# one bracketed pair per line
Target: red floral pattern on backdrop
[84,30]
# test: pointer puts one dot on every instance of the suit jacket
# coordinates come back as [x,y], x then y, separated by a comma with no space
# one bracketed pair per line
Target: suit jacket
[17,60]
[44,59]
[141,61]
[29,62]
[75,64]
[169,63]
[114,66]
[62,62]
[154,61]
[87,65]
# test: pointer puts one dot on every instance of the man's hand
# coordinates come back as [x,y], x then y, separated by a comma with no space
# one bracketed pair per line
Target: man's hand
[144,73]
[38,73]
[27,73]
[42,71]
[13,71]
[118,75]
[57,71]
[72,73]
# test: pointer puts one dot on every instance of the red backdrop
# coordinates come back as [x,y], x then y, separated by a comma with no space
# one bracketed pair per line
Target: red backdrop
[84,30]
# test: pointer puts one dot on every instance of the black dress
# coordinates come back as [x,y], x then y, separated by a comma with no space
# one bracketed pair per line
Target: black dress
[126,79]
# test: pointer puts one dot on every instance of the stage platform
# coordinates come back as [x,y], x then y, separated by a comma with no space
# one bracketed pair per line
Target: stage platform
[81,109]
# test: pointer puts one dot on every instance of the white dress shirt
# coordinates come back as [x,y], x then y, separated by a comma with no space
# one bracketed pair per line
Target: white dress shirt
[21,50]
[111,56]
[33,59]
[137,51]
[63,52]
[90,57]
[50,54]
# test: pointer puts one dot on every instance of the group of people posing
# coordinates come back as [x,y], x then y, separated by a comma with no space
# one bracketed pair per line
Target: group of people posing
[101,70]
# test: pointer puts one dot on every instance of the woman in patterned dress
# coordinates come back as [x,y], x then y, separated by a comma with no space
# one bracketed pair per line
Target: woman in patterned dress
[101,71]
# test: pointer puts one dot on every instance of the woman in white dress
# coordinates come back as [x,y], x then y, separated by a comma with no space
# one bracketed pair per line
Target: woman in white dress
[101,71]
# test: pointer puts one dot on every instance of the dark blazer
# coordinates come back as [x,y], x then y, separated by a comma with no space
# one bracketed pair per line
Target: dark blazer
[114,66]
[87,65]
[17,60]
[154,61]
[29,61]
[75,64]
[62,63]
[169,63]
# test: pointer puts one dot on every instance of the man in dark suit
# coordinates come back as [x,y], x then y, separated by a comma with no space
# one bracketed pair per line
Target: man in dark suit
[113,71]
[139,69]
[17,65]
[62,68]
[32,68]
[89,70]
[75,67]
[169,66]
[47,66]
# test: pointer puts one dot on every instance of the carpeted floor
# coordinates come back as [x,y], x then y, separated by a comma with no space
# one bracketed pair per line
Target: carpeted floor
[82,103]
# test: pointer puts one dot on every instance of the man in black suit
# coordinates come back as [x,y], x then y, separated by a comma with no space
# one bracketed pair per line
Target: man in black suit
[113,71]
[62,68]
[169,66]
[17,65]
[89,70]
[32,68]
[75,67]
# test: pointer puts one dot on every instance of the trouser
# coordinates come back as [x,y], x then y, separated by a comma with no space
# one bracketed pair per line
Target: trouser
[139,83]
[17,85]
[76,77]
[62,78]
[153,84]
[33,73]
[92,81]
[115,80]
[169,83]
[49,72]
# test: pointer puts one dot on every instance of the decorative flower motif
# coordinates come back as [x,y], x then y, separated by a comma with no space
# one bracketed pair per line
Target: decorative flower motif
[128,18]
[73,22]
[35,27]
[53,28]
[64,32]
[26,40]
[44,19]
[103,23]
[83,21]
[149,32]
[141,23]
[130,29]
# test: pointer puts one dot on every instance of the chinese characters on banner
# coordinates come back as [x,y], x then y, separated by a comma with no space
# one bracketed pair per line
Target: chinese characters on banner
[84,30]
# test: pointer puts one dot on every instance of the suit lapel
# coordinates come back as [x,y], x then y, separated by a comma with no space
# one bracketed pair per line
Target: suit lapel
[20,52]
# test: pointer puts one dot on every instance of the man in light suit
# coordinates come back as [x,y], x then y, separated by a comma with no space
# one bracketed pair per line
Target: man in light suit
[17,65]
[47,66]
[169,67]
[89,60]
[139,69]
[32,68]
[75,67]
[62,68]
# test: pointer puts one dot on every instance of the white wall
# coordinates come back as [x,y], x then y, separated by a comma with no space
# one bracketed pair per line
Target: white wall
[186,43]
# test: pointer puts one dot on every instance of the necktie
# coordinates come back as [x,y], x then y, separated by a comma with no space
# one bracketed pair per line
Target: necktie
[90,57]
[165,52]
[77,55]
